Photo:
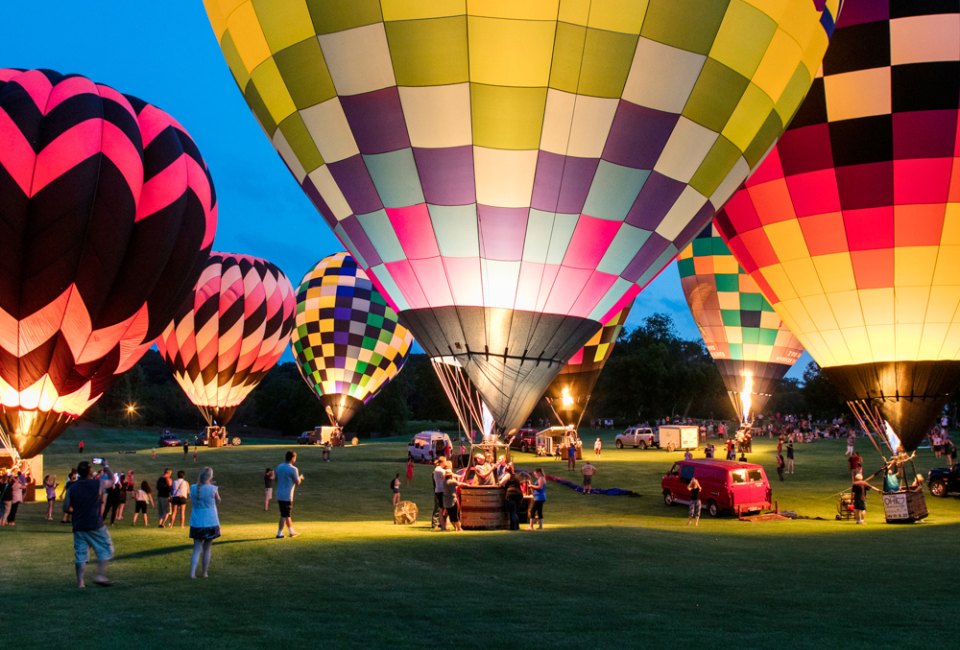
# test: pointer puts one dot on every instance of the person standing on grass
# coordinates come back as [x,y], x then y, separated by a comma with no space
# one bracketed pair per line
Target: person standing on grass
[695,505]
[437,520]
[395,488]
[179,493]
[597,446]
[71,479]
[539,487]
[451,503]
[80,447]
[16,485]
[859,489]
[84,498]
[855,463]
[409,471]
[780,465]
[204,519]
[163,497]
[288,478]
[268,479]
[142,497]
[571,456]
[790,458]
[6,496]
[50,486]
[588,471]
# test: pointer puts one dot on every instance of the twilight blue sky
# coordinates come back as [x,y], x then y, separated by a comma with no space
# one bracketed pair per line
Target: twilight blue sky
[166,54]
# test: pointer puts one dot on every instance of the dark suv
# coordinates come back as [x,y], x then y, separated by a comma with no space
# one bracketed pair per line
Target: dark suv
[944,480]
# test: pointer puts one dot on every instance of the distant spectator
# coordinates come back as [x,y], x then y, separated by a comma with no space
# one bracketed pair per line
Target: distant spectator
[395,489]
[163,498]
[179,493]
[539,487]
[80,447]
[597,446]
[142,498]
[790,458]
[288,478]
[695,505]
[268,478]
[409,474]
[571,456]
[50,486]
[780,465]
[855,464]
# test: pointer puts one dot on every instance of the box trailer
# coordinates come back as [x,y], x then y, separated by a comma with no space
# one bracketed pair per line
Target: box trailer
[678,436]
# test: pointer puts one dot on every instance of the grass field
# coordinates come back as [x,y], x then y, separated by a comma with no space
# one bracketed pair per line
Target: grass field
[605,571]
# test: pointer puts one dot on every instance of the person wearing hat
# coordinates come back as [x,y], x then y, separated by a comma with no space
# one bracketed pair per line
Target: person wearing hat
[859,490]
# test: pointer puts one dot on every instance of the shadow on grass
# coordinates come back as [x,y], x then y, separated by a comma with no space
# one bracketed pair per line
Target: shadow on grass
[180,548]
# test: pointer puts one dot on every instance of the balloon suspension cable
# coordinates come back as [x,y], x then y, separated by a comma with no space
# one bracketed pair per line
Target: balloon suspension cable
[8,445]
[871,423]
[331,417]
[465,400]
[554,411]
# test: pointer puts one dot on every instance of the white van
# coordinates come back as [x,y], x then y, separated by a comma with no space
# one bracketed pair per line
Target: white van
[427,446]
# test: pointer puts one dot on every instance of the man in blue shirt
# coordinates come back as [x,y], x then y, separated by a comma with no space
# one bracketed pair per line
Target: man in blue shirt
[84,498]
[288,478]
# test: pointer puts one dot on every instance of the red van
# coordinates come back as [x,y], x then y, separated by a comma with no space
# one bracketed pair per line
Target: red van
[726,485]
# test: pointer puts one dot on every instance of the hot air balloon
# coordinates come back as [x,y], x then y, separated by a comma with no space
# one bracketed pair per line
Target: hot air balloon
[750,345]
[229,333]
[851,226]
[107,215]
[348,343]
[569,393]
[510,174]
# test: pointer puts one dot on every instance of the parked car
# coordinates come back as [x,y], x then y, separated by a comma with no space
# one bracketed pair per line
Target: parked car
[525,440]
[169,440]
[726,485]
[427,446]
[944,480]
[635,437]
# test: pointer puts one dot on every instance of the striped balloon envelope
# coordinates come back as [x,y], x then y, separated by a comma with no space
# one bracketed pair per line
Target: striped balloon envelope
[851,226]
[107,215]
[348,343]
[229,333]
[748,341]
[569,393]
[511,174]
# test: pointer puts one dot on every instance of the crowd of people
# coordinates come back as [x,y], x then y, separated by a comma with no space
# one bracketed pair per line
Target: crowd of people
[519,487]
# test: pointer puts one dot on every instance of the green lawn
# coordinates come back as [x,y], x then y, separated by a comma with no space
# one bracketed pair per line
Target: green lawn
[605,572]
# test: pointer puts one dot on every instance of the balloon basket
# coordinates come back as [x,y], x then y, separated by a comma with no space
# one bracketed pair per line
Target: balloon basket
[904,507]
[482,508]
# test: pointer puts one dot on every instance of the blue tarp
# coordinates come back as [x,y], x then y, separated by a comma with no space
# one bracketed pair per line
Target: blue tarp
[610,492]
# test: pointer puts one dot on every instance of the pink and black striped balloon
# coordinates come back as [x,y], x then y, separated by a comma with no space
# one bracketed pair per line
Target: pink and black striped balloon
[107,216]
[230,333]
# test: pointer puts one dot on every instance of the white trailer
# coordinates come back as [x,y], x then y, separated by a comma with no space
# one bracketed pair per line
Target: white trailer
[678,436]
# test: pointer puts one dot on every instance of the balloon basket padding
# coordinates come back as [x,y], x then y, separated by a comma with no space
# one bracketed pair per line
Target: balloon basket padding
[904,507]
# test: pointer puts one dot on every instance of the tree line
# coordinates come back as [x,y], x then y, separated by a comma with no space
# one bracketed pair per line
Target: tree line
[652,372]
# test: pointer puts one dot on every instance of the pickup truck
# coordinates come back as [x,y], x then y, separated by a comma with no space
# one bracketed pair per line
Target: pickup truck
[635,437]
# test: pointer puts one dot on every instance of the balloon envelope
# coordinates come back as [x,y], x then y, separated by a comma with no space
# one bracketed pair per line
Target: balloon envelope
[229,333]
[511,174]
[348,343]
[851,226]
[569,393]
[107,215]
[748,341]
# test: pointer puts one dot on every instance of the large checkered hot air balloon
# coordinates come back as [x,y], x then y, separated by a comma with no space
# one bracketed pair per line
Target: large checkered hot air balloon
[229,333]
[107,215]
[569,393]
[347,341]
[852,224]
[510,174]
[750,345]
